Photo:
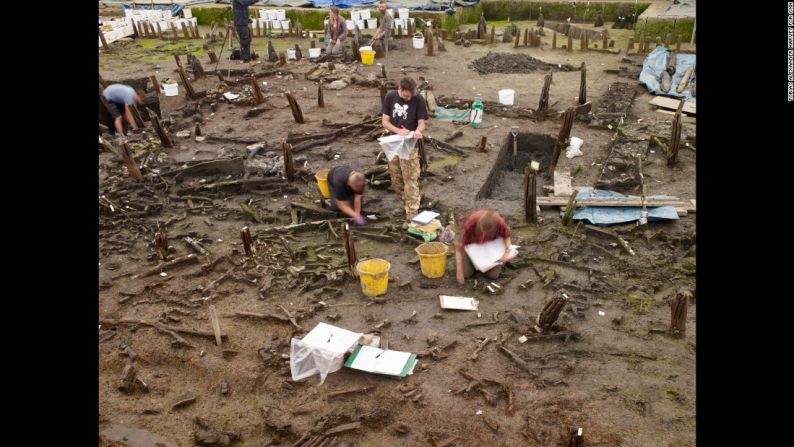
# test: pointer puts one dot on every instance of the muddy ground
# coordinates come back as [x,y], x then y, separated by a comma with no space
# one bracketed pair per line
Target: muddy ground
[620,379]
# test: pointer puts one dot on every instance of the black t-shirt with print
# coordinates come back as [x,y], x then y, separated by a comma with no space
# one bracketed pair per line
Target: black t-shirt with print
[404,113]
[337,180]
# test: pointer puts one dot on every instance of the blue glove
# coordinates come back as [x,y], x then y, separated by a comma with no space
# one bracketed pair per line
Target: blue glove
[359,220]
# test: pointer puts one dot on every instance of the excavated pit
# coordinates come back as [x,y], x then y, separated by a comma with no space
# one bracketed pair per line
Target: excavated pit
[506,183]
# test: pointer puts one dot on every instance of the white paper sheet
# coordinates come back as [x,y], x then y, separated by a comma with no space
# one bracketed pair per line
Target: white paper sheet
[486,256]
[425,217]
[379,361]
[458,302]
[331,338]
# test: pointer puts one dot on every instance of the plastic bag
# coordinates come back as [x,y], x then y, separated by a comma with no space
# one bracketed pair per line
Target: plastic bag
[398,146]
[306,361]
[573,149]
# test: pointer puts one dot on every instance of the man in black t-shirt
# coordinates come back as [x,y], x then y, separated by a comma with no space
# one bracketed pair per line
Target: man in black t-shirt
[405,113]
[347,188]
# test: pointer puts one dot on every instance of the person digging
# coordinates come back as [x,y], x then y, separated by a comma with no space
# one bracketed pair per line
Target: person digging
[119,98]
[347,190]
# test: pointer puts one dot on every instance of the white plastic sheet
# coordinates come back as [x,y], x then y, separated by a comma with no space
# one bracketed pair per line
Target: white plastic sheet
[398,146]
[321,351]
[573,150]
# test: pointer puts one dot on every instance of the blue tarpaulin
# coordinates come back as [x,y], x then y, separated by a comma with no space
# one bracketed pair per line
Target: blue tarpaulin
[654,65]
[610,215]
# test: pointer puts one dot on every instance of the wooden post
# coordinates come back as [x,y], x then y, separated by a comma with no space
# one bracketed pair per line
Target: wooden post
[350,249]
[678,310]
[298,52]
[248,245]
[104,42]
[173,30]
[577,439]
[136,116]
[161,245]
[258,29]
[583,42]
[530,194]
[675,137]
[551,311]
[518,36]
[312,44]
[562,139]
[191,94]
[441,46]
[604,39]
[566,218]
[165,139]
[216,325]
[197,130]
[299,30]
[130,162]
[554,40]
[658,41]
[196,31]
[570,42]
[282,58]
[155,83]
[296,109]
[429,42]
[213,57]
[399,31]
[272,56]
[543,105]
[583,85]
[159,31]
[135,32]
[320,99]
[289,164]
[259,98]
[493,35]
[127,379]
[354,45]
[482,147]
[631,45]
[195,66]
[526,36]
[677,43]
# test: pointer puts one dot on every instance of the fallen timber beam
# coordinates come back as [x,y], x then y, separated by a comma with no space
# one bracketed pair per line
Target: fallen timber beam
[612,201]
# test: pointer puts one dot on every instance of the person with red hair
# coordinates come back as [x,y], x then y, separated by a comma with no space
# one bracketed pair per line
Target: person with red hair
[478,227]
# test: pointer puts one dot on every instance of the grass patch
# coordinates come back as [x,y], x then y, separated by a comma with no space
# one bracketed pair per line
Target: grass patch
[638,303]
[663,27]
[578,13]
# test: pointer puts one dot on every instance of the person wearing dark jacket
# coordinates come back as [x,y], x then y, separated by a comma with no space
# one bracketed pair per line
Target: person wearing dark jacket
[240,13]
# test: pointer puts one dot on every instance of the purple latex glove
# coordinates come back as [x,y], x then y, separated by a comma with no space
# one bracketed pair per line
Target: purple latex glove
[359,220]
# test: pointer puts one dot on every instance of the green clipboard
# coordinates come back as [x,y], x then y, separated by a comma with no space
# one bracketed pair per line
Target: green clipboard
[403,373]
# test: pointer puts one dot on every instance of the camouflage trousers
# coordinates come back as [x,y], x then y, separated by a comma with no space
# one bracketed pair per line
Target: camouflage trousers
[405,182]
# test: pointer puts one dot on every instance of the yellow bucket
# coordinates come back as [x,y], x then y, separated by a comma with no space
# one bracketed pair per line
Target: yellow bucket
[374,274]
[433,258]
[367,57]
[322,183]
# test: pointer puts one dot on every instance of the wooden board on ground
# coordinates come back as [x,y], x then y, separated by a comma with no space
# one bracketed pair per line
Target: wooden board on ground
[672,103]
[562,183]
[616,201]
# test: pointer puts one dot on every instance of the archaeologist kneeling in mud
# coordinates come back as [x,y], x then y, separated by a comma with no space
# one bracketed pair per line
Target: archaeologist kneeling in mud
[347,189]
[479,227]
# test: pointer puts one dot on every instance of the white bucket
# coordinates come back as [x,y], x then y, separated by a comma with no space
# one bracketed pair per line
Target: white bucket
[351,24]
[355,15]
[365,14]
[419,41]
[281,14]
[275,24]
[506,96]
[171,89]
[390,12]
[271,15]
[360,24]
[403,13]
[291,55]
[367,48]
[314,52]
[372,23]
[285,24]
